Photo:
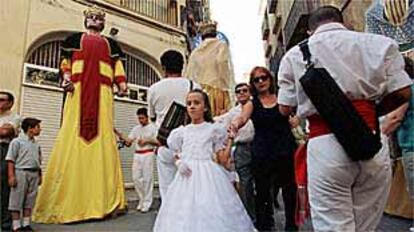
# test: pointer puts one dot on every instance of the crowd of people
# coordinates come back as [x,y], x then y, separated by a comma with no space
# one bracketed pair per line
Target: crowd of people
[221,169]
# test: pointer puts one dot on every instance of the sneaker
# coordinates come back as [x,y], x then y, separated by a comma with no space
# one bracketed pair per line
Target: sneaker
[26,228]
[144,210]
[139,207]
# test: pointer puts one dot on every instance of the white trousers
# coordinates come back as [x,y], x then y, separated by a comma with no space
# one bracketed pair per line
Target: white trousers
[346,195]
[142,175]
[166,169]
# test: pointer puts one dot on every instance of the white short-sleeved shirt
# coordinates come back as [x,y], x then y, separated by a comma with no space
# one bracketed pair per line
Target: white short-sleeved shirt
[24,153]
[365,66]
[163,93]
[10,118]
[148,132]
[246,133]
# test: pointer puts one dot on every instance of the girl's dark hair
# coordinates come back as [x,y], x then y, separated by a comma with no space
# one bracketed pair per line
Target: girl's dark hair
[208,115]
[272,88]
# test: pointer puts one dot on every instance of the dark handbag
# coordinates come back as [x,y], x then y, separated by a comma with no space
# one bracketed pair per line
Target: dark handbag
[349,128]
[174,118]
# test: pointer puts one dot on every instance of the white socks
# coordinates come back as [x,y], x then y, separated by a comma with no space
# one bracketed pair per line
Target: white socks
[26,221]
[16,224]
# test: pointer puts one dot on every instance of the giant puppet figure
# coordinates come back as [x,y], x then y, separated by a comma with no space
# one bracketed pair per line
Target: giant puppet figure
[210,65]
[83,179]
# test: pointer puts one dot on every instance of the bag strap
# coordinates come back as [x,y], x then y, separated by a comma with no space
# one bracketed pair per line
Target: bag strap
[304,48]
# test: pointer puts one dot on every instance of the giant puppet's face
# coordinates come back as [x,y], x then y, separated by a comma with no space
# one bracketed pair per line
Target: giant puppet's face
[95,22]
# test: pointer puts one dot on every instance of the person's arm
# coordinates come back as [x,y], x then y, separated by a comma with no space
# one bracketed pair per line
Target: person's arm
[11,159]
[287,90]
[286,110]
[120,77]
[393,120]
[150,141]
[239,121]
[11,173]
[128,141]
[397,84]
[151,105]
[394,100]
[224,155]
[40,170]
[66,70]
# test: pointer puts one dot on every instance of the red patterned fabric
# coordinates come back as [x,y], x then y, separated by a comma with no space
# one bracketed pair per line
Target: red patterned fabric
[366,109]
[302,201]
[95,49]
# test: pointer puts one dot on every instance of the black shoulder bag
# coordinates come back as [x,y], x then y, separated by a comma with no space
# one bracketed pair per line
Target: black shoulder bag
[349,128]
[174,118]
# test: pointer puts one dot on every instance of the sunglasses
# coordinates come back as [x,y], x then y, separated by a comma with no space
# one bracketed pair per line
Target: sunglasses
[260,79]
[241,91]
[3,99]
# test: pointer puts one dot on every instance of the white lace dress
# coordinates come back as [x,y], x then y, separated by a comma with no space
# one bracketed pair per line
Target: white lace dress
[206,201]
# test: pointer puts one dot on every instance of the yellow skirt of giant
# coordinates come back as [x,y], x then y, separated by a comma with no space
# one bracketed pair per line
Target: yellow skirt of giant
[219,99]
[82,181]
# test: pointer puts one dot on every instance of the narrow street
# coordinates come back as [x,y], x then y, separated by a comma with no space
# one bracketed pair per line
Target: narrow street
[143,222]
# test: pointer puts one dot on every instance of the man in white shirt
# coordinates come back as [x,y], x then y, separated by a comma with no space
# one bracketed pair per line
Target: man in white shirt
[9,128]
[144,137]
[345,195]
[173,88]
[242,153]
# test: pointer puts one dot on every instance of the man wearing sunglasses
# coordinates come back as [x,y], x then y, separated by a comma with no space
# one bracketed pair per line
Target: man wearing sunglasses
[344,194]
[9,127]
[242,153]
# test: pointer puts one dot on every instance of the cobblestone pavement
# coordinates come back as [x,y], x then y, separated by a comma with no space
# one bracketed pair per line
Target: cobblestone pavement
[142,222]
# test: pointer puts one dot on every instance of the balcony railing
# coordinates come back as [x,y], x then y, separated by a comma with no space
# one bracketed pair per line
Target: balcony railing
[299,8]
[164,11]
[272,5]
[265,28]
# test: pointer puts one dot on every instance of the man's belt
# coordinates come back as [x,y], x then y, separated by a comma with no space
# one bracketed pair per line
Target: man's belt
[145,151]
[366,109]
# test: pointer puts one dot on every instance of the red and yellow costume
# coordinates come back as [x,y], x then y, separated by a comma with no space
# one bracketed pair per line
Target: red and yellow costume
[83,179]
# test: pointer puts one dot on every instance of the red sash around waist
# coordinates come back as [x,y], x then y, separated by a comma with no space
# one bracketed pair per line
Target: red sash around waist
[365,108]
[145,151]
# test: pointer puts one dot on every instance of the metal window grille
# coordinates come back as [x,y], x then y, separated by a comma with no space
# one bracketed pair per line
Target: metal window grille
[161,10]
[137,71]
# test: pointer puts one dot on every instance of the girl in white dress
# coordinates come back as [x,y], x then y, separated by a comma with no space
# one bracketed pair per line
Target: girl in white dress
[201,197]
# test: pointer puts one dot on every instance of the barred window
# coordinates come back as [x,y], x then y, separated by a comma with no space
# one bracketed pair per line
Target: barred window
[47,55]
[137,71]
[161,10]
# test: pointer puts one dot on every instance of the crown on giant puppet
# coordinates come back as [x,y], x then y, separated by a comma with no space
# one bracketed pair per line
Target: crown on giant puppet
[94,10]
[208,27]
